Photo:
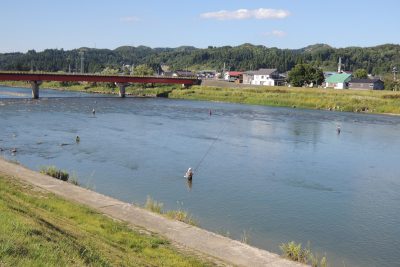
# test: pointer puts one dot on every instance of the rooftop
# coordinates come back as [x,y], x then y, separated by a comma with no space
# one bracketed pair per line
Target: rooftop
[365,80]
[261,72]
[235,73]
[338,78]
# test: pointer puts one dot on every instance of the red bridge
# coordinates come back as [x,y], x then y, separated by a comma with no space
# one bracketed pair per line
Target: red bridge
[122,82]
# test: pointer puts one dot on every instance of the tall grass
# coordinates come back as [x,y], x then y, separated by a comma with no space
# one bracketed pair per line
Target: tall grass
[245,237]
[154,206]
[179,214]
[309,98]
[296,252]
[54,172]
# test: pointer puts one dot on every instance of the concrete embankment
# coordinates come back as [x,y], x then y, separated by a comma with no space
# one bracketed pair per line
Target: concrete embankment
[227,250]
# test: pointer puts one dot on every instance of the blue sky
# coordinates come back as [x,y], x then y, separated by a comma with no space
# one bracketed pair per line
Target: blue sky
[72,24]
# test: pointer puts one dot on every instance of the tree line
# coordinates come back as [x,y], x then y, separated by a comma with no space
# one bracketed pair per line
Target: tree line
[377,60]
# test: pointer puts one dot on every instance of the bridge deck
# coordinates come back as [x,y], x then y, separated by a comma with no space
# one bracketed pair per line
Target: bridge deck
[26,76]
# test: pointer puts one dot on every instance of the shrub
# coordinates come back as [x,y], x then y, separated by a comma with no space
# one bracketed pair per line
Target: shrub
[54,172]
[295,252]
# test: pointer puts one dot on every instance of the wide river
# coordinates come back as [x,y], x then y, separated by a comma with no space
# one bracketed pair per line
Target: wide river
[268,174]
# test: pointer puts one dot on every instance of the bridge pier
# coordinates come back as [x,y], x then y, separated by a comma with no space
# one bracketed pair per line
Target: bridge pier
[122,87]
[35,88]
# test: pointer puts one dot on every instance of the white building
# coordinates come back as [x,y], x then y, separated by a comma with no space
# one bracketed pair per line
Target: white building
[269,77]
[338,81]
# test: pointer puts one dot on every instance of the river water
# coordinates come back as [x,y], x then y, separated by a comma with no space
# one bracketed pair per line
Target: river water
[268,174]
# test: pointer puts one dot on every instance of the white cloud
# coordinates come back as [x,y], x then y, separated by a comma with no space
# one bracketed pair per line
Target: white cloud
[260,13]
[276,33]
[129,19]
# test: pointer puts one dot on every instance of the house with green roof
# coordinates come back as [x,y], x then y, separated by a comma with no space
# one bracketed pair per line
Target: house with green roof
[338,81]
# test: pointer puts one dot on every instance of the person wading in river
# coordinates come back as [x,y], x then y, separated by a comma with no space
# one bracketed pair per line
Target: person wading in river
[189,174]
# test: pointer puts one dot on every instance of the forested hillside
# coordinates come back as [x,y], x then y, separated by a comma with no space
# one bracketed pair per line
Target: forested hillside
[376,60]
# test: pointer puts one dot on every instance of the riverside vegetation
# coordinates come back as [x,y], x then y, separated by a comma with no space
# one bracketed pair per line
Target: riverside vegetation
[380,102]
[151,205]
[296,252]
[179,215]
[41,229]
[290,250]
[309,98]
[139,90]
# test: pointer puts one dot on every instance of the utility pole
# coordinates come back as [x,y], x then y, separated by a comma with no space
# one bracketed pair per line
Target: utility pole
[82,61]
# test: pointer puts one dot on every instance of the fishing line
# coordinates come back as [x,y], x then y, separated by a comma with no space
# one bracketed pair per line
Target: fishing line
[209,149]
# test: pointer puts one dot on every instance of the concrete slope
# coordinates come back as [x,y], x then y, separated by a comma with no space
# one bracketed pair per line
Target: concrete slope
[223,248]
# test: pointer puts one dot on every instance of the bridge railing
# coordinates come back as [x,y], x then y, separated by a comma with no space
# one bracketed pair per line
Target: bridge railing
[96,74]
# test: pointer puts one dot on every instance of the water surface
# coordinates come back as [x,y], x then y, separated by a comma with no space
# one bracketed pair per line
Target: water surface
[271,174]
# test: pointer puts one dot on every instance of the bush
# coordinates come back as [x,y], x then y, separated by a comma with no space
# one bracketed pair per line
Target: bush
[54,172]
[295,252]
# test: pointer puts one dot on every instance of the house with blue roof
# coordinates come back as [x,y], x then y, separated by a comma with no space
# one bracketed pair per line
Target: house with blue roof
[338,81]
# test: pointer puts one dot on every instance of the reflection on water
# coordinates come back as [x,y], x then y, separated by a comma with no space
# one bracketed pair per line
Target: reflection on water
[279,174]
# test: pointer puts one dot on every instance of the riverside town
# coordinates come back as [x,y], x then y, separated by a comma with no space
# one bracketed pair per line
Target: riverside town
[208,134]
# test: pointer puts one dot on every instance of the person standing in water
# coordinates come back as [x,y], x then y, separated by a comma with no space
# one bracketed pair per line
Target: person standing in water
[189,174]
[94,112]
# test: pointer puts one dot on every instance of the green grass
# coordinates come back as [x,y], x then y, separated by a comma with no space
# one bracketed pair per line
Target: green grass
[41,229]
[179,214]
[102,88]
[309,98]
[296,252]
[387,102]
[55,173]
[153,205]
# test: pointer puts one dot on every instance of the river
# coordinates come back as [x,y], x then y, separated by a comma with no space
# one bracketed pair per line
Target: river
[268,174]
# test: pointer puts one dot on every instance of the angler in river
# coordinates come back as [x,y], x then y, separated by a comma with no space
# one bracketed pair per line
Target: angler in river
[189,174]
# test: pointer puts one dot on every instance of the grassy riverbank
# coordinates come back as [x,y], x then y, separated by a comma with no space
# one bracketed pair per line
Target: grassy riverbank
[381,102]
[309,98]
[41,229]
[101,88]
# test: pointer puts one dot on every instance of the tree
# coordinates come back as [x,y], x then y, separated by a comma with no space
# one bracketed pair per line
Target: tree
[109,71]
[361,74]
[305,75]
[390,83]
[143,70]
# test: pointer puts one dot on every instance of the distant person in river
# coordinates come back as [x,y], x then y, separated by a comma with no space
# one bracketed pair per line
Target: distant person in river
[77,139]
[189,174]
[210,112]
[93,112]
[338,129]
